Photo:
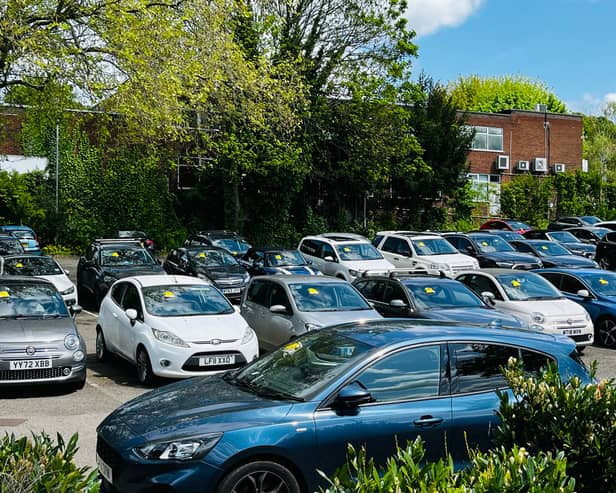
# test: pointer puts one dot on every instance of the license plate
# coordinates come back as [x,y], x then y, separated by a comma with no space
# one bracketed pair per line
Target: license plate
[30,364]
[224,359]
[104,469]
[231,290]
[572,332]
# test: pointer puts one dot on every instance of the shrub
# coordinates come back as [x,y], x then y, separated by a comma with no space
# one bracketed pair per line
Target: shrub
[40,465]
[548,414]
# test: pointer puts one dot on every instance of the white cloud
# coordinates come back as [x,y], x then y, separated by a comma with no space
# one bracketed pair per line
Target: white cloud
[610,97]
[428,16]
[589,104]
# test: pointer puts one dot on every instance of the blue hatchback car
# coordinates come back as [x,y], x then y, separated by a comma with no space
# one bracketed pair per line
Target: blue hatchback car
[26,236]
[595,290]
[271,425]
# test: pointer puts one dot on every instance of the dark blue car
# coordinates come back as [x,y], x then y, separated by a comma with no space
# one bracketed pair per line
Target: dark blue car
[595,290]
[272,424]
[260,261]
[553,254]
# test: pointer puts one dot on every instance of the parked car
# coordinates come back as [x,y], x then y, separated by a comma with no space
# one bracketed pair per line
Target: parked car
[606,251]
[214,264]
[428,251]
[491,250]
[280,308]
[552,254]
[230,240]
[534,300]
[342,256]
[595,290]
[172,326]
[506,224]
[10,245]
[573,221]
[566,239]
[44,267]
[39,339]
[434,297]
[505,234]
[134,234]
[589,234]
[260,261]
[606,224]
[27,237]
[274,424]
[106,261]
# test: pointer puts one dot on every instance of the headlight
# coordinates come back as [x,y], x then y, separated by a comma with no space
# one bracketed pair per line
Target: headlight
[68,291]
[538,318]
[353,273]
[168,338]
[246,277]
[504,264]
[71,342]
[310,327]
[181,449]
[249,335]
[537,327]
[443,267]
[586,316]
[78,355]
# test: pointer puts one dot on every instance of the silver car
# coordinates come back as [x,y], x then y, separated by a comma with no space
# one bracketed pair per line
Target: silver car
[280,308]
[39,341]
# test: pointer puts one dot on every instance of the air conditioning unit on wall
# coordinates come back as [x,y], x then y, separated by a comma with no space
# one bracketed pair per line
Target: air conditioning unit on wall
[523,166]
[540,165]
[559,168]
[502,162]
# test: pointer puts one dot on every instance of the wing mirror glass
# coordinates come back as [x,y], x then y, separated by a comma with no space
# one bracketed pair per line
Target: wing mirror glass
[352,395]
[488,297]
[131,313]
[397,304]
[583,293]
[278,309]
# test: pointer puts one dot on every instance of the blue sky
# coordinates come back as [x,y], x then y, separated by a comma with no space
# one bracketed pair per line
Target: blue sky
[568,44]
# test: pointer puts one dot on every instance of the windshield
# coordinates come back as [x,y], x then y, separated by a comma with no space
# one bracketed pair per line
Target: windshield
[358,251]
[510,235]
[30,301]
[563,237]
[518,225]
[301,368]
[23,234]
[433,246]
[119,256]
[327,297]
[601,232]
[211,258]
[528,286]
[590,219]
[233,245]
[131,234]
[185,300]
[548,248]
[10,246]
[442,295]
[603,284]
[492,243]
[284,258]
[31,266]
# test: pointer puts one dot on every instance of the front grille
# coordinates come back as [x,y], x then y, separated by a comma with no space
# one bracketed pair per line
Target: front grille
[38,374]
[581,338]
[459,268]
[107,453]
[232,281]
[215,342]
[192,364]
[526,266]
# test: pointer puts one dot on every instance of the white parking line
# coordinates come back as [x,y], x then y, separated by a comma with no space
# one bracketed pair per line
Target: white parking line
[94,315]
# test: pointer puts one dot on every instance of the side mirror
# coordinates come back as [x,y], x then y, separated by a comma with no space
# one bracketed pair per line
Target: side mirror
[278,309]
[488,297]
[75,309]
[329,258]
[67,272]
[583,293]
[397,304]
[132,314]
[351,396]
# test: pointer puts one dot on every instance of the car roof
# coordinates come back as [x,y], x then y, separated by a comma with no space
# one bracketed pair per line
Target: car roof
[272,249]
[164,280]
[205,247]
[336,239]
[16,227]
[494,271]
[575,272]
[24,279]
[219,233]
[299,278]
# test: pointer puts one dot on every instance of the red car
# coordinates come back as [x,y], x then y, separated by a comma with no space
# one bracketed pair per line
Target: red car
[507,224]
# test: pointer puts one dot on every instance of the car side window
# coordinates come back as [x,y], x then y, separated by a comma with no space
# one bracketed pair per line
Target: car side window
[278,296]
[117,292]
[464,245]
[454,240]
[90,253]
[309,247]
[327,251]
[611,237]
[377,240]
[521,247]
[411,374]
[571,285]
[481,284]
[394,291]
[131,300]
[553,278]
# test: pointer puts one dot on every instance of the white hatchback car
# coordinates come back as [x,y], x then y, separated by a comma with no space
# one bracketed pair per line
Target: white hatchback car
[534,299]
[172,326]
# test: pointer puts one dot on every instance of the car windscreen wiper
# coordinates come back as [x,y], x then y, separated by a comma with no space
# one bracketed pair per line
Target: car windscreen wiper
[263,391]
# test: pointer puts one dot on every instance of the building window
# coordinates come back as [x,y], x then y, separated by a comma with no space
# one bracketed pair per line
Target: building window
[486,188]
[487,139]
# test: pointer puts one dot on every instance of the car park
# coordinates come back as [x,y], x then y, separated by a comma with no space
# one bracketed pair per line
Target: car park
[589,234]
[260,261]
[534,299]
[44,267]
[10,245]
[230,240]
[343,256]
[275,424]
[606,251]
[552,254]
[212,263]
[566,239]
[491,250]
[108,259]
[27,237]
[422,250]
[595,290]
[424,295]
[507,225]
[280,308]
[573,221]
[39,341]
[172,326]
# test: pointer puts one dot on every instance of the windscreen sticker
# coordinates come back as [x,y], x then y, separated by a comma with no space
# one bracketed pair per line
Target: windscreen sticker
[291,347]
[313,291]
[19,265]
[421,244]
[4,294]
[202,255]
[115,254]
[544,247]
[603,281]
[347,249]
[168,294]
[484,243]
[515,283]
[278,257]
[429,290]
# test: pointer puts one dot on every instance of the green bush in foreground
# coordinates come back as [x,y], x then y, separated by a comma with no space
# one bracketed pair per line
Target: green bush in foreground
[39,465]
[502,471]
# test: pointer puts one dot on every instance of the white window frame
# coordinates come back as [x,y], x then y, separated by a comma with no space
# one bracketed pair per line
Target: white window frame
[487,133]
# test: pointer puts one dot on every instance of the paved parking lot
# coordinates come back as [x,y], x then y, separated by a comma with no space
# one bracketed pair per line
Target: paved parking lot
[111,384]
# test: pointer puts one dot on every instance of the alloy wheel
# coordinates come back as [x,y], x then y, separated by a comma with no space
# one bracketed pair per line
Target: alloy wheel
[607,332]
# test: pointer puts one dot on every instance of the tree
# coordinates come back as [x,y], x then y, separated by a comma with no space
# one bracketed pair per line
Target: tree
[493,94]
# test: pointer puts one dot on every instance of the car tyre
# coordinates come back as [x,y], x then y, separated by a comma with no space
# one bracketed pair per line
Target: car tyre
[101,348]
[606,332]
[604,263]
[259,476]
[145,375]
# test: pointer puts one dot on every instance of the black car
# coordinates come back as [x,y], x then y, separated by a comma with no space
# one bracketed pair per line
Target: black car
[503,233]
[492,251]
[106,261]
[589,234]
[606,251]
[10,245]
[212,263]
[260,261]
[553,254]
[228,240]
[572,221]
[431,297]
[565,238]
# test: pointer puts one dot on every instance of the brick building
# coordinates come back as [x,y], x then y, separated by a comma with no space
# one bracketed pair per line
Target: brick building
[515,142]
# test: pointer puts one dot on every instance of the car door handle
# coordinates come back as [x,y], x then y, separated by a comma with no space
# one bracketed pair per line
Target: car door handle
[427,421]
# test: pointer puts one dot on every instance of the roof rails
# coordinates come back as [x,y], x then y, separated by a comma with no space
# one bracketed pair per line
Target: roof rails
[393,273]
[409,233]
[343,236]
[117,240]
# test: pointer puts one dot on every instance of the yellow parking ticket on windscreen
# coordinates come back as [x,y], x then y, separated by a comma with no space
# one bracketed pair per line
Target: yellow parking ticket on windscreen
[4,294]
[429,290]
[515,283]
[603,281]
[168,294]
[313,291]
